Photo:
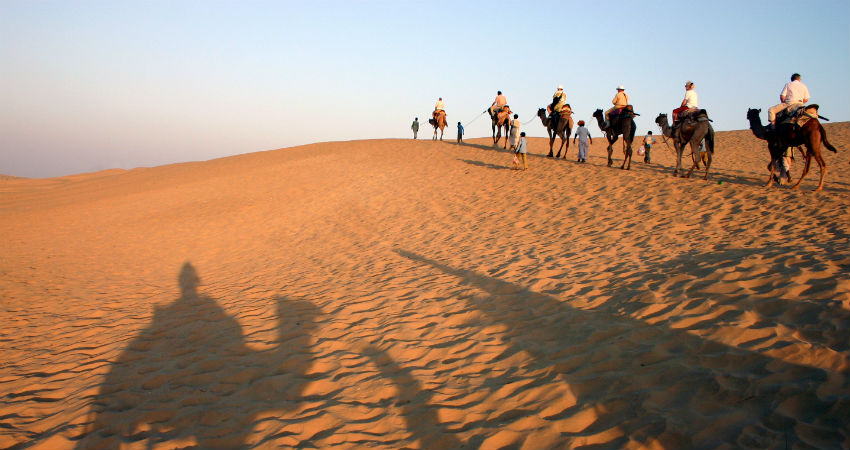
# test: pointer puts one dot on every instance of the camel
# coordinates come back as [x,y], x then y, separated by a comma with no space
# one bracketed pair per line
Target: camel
[438,121]
[691,132]
[623,123]
[500,120]
[811,134]
[563,129]
[761,132]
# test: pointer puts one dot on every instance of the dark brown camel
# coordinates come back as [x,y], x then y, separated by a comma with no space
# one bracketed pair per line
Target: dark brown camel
[789,134]
[693,132]
[623,123]
[562,128]
[438,121]
[501,119]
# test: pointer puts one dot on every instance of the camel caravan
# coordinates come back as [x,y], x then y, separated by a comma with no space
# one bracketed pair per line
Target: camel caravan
[793,124]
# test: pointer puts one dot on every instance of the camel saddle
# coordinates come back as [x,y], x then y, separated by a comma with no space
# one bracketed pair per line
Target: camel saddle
[693,115]
[615,114]
[797,115]
[567,112]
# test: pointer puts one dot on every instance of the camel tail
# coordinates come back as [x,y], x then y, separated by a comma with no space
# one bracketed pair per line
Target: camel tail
[825,142]
[709,140]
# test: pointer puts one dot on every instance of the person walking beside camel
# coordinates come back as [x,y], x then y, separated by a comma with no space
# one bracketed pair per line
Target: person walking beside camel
[459,133]
[583,136]
[515,126]
[647,145]
[415,127]
[522,149]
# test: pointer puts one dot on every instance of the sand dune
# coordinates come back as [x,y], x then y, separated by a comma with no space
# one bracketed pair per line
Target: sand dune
[418,294]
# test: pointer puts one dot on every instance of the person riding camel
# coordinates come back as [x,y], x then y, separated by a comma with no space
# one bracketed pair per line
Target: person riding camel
[440,106]
[498,104]
[620,101]
[794,94]
[559,99]
[689,104]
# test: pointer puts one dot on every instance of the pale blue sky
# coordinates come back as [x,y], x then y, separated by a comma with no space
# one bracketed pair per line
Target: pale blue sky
[90,85]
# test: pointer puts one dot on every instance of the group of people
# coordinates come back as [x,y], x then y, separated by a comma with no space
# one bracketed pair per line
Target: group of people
[794,94]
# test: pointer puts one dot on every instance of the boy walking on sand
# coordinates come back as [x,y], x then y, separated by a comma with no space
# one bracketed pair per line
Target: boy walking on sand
[647,145]
[415,127]
[522,149]
[459,133]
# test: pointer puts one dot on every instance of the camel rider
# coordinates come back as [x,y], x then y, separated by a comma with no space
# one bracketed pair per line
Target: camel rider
[621,100]
[498,104]
[794,93]
[559,99]
[689,104]
[440,106]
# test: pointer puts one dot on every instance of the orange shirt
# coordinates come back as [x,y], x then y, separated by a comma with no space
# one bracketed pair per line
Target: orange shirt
[621,100]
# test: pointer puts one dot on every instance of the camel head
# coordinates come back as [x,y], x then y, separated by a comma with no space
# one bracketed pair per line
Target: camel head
[753,115]
[541,112]
[661,120]
[598,114]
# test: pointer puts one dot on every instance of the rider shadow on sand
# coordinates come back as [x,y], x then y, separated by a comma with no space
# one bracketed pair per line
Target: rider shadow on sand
[648,385]
[190,379]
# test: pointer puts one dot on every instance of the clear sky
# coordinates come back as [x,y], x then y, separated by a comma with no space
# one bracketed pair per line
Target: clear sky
[91,85]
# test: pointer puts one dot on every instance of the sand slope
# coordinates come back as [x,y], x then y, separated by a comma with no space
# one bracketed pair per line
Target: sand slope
[417,294]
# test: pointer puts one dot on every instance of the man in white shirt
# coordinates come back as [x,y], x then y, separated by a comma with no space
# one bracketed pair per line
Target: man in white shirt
[794,93]
[689,103]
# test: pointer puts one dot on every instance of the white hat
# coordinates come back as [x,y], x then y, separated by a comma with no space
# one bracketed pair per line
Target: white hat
[621,88]
[561,87]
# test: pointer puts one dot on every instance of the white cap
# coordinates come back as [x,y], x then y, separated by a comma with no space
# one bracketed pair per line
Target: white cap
[620,87]
[561,87]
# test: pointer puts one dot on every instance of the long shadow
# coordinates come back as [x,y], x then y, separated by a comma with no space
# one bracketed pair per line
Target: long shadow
[483,164]
[652,382]
[422,422]
[189,377]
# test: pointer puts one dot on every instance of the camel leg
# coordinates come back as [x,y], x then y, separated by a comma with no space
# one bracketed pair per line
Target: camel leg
[771,167]
[625,156]
[821,165]
[561,147]
[707,163]
[805,170]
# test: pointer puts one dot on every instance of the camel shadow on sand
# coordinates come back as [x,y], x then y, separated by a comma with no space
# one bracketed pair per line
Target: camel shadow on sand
[190,379]
[655,381]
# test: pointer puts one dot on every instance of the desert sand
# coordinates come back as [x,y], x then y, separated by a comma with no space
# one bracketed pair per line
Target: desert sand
[415,294]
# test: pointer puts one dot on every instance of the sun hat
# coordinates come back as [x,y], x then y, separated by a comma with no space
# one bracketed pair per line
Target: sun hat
[621,88]
[560,87]
[689,83]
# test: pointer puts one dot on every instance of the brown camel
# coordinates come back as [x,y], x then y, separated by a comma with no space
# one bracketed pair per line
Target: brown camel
[691,132]
[501,119]
[805,129]
[562,128]
[438,121]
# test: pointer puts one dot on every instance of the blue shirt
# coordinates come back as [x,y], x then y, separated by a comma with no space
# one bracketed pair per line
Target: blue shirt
[460,130]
